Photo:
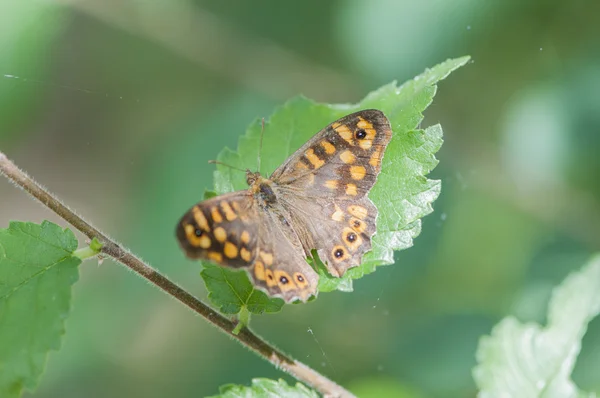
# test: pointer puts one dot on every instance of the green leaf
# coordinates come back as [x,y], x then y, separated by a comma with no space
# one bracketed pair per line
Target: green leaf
[37,269]
[265,388]
[402,193]
[528,360]
[231,291]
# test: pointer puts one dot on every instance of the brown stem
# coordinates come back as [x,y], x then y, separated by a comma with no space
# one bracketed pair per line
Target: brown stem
[111,248]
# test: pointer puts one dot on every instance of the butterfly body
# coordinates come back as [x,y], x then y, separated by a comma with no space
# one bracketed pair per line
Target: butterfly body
[316,200]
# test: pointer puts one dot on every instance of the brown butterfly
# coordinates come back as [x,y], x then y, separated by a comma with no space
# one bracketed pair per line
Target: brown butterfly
[316,200]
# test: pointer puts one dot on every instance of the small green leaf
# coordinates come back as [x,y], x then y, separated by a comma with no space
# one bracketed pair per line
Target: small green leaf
[527,360]
[265,388]
[37,269]
[209,194]
[231,291]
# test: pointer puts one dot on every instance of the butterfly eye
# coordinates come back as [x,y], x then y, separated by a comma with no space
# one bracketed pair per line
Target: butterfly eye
[360,134]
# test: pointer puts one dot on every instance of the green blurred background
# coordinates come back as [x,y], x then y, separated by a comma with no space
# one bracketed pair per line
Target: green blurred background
[117,105]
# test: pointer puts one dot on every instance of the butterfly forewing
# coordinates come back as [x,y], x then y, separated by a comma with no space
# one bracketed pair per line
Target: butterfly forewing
[221,229]
[342,160]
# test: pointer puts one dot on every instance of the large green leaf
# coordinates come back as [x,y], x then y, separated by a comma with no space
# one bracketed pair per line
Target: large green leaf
[528,360]
[266,388]
[37,269]
[402,193]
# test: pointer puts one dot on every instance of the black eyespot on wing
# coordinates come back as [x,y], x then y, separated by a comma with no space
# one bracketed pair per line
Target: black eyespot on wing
[284,280]
[360,134]
[338,253]
[351,237]
[198,232]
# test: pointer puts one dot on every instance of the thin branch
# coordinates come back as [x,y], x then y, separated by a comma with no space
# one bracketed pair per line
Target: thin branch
[111,248]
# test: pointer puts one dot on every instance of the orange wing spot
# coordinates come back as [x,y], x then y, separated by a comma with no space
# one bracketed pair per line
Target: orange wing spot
[245,238]
[358,211]
[339,254]
[338,214]
[358,172]
[351,190]
[301,166]
[245,254]
[197,241]
[336,125]
[300,280]
[200,218]
[351,238]
[345,133]
[267,258]
[367,142]
[357,225]
[215,256]
[270,278]
[259,271]
[347,157]
[230,250]
[376,157]
[220,234]
[284,281]
[331,184]
[228,211]
[216,215]
[314,159]
[363,124]
[328,147]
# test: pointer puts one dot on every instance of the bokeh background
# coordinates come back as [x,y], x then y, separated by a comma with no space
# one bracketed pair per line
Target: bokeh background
[117,105]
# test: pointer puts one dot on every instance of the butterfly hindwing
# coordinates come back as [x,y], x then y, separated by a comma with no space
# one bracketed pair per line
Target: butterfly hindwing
[280,267]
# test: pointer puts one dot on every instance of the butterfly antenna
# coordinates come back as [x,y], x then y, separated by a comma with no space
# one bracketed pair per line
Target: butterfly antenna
[262,133]
[226,165]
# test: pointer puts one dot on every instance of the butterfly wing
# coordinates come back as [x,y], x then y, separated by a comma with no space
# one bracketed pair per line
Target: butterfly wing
[231,230]
[222,229]
[325,184]
[280,268]
[342,161]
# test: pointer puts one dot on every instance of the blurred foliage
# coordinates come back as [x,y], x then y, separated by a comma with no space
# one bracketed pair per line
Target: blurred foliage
[526,360]
[265,388]
[118,105]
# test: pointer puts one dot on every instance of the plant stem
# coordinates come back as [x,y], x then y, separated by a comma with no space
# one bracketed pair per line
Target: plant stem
[111,248]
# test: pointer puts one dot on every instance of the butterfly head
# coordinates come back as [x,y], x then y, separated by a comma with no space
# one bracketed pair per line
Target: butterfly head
[252,177]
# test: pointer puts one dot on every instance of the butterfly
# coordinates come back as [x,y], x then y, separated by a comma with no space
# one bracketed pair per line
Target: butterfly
[316,200]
